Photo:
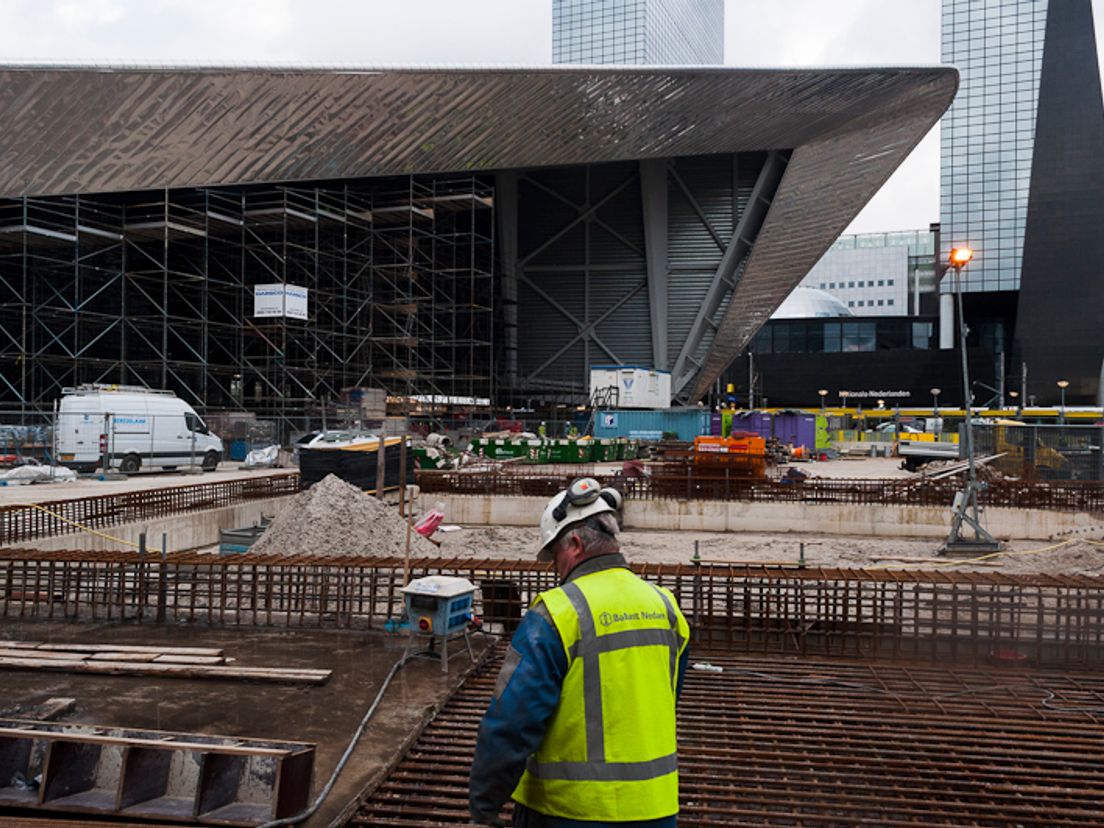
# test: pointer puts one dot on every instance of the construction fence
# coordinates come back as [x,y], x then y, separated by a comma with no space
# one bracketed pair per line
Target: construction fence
[677,481]
[23,522]
[866,613]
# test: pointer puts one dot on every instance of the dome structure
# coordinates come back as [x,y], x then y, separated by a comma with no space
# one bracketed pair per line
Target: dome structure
[810,303]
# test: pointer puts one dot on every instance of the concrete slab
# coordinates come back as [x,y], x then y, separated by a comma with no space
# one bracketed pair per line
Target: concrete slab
[326,715]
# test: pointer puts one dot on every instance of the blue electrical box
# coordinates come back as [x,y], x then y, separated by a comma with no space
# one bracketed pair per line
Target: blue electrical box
[439,605]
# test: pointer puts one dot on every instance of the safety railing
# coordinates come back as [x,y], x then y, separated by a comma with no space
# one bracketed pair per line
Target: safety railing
[882,614]
[22,522]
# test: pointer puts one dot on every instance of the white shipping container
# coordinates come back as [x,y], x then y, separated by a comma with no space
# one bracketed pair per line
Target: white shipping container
[637,387]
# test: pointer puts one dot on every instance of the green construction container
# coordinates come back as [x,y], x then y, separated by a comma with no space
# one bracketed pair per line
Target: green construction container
[571,451]
[630,450]
[539,451]
[602,450]
[507,449]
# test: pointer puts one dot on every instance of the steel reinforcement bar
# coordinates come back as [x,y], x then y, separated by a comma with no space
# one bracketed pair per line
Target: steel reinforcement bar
[773,741]
[22,522]
[679,481]
[873,613]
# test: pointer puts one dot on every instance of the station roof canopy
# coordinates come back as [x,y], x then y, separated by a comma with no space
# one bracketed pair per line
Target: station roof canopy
[83,130]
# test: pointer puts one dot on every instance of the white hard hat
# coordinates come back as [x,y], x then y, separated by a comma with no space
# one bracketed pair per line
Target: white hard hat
[583,498]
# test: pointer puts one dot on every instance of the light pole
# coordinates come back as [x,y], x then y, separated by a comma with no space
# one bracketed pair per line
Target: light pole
[1063,385]
[967,509]
[823,393]
[935,392]
[1014,395]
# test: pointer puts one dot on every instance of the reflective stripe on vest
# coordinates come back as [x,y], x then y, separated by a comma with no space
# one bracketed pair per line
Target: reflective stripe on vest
[589,647]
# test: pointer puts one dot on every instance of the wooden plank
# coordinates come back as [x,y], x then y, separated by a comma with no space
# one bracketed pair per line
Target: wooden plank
[53,708]
[170,659]
[127,648]
[133,658]
[223,671]
[44,655]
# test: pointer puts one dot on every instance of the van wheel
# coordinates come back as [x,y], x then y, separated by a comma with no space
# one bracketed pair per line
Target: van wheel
[211,460]
[130,464]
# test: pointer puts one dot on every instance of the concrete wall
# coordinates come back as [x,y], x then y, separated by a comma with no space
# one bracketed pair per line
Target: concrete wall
[733,516]
[186,531]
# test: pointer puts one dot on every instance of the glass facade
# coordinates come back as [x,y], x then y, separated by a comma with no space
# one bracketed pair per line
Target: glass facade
[843,336]
[658,32]
[989,133]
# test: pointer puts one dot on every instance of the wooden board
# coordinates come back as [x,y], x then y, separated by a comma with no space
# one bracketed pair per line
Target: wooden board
[224,671]
[44,655]
[66,647]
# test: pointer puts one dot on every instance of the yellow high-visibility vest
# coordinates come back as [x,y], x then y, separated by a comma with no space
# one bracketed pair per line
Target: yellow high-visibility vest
[610,750]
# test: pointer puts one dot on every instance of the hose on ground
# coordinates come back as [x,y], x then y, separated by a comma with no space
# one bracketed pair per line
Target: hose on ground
[309,812]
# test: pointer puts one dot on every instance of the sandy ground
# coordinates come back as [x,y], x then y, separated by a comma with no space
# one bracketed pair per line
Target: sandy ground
[42,492]
[854,468]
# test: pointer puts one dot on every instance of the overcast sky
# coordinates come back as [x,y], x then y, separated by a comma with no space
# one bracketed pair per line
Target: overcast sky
[483,32]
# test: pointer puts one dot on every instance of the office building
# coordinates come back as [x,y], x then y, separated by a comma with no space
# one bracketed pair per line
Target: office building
[655,32]
[1023,185]
[877,274]
[988,135]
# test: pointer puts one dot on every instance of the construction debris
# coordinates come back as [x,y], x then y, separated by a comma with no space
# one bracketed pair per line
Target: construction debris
[334,518]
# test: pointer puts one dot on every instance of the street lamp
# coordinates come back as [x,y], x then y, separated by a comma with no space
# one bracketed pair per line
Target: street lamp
[823,393]
[1014,395]
[967,508]
[1063,385]
[935,392]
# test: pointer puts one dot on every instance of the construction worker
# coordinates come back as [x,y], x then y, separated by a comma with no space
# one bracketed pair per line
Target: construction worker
[542,430]
[581,728]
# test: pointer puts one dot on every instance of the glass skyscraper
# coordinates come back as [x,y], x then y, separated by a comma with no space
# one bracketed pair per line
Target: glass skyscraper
[988,135]
[657,32]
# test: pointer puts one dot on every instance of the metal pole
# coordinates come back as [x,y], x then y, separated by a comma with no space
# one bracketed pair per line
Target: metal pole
[751,380]
[402,477]
[972,474]
[380,461]
[53,442]
[163,581]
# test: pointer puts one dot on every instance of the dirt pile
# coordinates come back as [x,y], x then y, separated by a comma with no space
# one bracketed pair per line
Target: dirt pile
[335,518]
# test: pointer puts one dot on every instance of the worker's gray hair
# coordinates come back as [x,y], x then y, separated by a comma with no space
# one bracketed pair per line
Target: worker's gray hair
[598,534]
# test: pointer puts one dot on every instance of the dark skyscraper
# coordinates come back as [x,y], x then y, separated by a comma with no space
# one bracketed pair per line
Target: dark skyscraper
[1060,320]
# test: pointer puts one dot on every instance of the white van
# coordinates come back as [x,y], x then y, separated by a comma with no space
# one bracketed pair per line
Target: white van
[136,427]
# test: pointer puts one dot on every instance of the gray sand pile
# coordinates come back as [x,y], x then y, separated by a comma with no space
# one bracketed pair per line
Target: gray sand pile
[335,518]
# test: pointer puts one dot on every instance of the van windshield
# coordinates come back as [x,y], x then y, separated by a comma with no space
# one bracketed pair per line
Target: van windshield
[194,423]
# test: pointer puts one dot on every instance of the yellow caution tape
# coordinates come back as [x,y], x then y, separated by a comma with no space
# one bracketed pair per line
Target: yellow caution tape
[80,526]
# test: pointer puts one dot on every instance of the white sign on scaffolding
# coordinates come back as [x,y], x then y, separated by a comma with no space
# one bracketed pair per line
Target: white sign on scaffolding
[295,302]
[278,299]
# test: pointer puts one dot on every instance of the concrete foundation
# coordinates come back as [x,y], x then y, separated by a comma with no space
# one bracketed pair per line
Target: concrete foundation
[734,516]
[187,531]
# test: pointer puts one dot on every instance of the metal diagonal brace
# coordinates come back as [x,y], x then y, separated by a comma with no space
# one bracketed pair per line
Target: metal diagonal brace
[724,279]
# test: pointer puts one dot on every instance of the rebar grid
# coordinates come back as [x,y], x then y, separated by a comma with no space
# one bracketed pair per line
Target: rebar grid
[964,617]
[21,522]
[774,741]
[686,481]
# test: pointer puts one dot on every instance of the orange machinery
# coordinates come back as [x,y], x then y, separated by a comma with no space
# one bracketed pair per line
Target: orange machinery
[742,451]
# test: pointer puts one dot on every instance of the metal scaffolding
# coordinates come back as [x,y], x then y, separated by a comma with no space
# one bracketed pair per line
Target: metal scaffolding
[155,289]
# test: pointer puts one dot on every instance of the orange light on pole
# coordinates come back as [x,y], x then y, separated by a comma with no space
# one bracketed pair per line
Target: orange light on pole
[961,256]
